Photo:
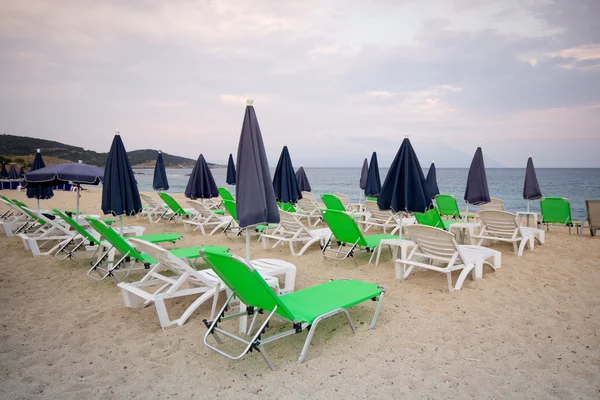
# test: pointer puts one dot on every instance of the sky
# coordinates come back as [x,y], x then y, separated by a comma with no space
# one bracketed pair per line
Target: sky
[334,80]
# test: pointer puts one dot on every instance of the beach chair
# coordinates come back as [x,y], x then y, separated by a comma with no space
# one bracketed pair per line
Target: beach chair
[302,310]
[45,231]
[234,225]
[306,208]
[557,211]
[503,226]
[289,207]
[593,215]
[226,194]
[309,196]
[435,245]
[184,280]
[493,204]
[205,218]
[433,218]
[448,207]
[333,203]
[13,218]
[130,259]
[348,205]
[349,237]
[292,231]
[377,217]
[152,208]
[174,210]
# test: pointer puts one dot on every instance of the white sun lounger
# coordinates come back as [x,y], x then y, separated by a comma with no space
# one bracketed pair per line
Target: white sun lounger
[205,218]
[503,226]
[292,231]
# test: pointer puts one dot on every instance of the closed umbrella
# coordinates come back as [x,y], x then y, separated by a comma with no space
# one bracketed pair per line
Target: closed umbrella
[363,178]
[373,183]
[431,179]
[120,194]
[284,179]
[477,191]
[3,172]
[302,179]
[230,180]
[405,188]
[57,174]
[531,188]
[201,184]
[21,173]
[12,173]
[39,192]
[160,181]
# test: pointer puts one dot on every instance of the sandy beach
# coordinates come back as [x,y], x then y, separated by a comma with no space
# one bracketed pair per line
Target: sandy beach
[528,330]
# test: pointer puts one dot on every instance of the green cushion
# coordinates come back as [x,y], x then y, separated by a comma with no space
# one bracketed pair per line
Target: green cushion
[374,240]
[194,252]
[159,237]
[218,212]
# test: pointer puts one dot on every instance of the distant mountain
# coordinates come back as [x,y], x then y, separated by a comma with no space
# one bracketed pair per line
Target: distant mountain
[21,149]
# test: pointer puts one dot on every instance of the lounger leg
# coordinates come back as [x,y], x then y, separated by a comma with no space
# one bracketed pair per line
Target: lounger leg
[313,328]
[522,245]
[265,356]
[377,309]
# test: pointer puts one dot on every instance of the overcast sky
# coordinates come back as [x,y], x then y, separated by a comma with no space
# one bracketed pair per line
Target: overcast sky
[331,79]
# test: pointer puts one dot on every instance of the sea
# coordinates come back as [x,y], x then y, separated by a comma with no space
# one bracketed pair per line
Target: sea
[576,184]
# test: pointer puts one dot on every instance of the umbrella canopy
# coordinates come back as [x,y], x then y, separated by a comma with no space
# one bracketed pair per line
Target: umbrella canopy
[477,191]
[57,174]
[12,173]
[120,193]
[302,179]
[21,173]
[531,188]
[363,175]
[405,188]
[255,196]
[284,179]
[373,184]
[160,181]
[3,172]
[39,191]
[230,180]
[201,184]
[431,179]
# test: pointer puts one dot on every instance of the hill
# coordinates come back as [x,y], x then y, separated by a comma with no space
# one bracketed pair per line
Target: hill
[21,149]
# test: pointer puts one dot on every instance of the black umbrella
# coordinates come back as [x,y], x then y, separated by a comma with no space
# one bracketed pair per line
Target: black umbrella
[201,184]
[3,172]
[39,192]
[120,194]
[12,173]
[405,188]
[284,179]
[373,184]
[302,179]
[160,181]
[230,180]
[255,196]
[363,175]
[477,191]
[531,188]
[21,173]
[431,179]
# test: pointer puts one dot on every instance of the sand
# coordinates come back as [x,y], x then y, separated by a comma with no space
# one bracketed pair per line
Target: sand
[528,330]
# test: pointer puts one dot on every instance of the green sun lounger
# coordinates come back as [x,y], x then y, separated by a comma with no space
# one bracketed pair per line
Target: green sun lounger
[346,231]
[129,255]
[230,206]
[447,206]
[432,218]
[225,194]
[174,207]
[303,309]
[289,207]
[557,211]
[332,202]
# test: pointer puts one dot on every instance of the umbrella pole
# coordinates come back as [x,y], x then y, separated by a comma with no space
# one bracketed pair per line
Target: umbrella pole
[527,207]
[77,209]
[244,319]
[38,204]
[467,213]
[121,225]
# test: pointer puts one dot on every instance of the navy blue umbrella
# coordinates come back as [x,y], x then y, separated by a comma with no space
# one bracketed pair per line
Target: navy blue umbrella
[201,184]
[3,172]
[284,179]
[405,188]
[57,174]
[160,181]
[230,180]
[431,179]
[120,194]
[363,175]
[302,179]
[21,173]
[255,196]
[477,191]
[373,184]
[531,187]
[12,173]
[39,192]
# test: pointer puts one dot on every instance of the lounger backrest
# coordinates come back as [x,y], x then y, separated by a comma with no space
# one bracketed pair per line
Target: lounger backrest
[309,196]
[36,217]
[306,205]
[556,210]
[172,203]
[225,194]
[332,202]
[204,212]
[113,238]
[447,205]
[289,207]
[430,218]
[499,223]
[373,208]
[244,281]
[289,223]
[434,242]
[593,212]
[75,225]
[494,204]
[231,208]
[343,227]
[148,199]
[345,200]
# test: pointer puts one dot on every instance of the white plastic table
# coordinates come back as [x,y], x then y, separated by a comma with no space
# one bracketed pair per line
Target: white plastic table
[521,214]
[394,245]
